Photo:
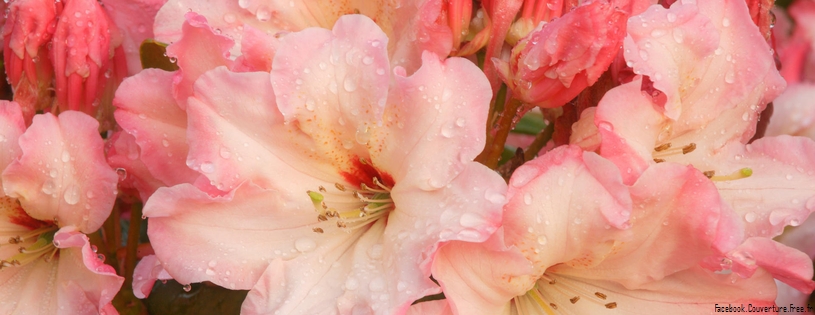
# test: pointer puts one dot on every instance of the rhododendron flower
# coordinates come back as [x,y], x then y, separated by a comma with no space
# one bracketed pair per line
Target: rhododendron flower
[412,26]
[576,240]
[57,187]
[700,107]
[330,186]
[557,60]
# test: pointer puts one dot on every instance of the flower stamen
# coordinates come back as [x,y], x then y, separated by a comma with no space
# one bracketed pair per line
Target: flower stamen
[351,208]
[740,174]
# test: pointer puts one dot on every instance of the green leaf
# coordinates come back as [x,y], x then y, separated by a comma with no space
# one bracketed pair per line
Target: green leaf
[531,124]
[153,54]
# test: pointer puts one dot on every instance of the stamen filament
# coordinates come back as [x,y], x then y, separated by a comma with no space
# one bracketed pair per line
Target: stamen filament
[742,173]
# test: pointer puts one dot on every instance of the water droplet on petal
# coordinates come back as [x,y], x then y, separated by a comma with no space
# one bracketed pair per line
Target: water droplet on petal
[304,245]
[542,240]
[48,187]
[187,288]
[349,85]
[671,17]
[351,284]
[71,194]
[207,167]
[750,217]
[527,198]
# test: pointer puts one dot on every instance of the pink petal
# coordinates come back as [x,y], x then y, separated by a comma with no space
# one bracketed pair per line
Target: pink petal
[678,215]
[418,26]
[257,50]
[135,20]
[463,211]
[236,136]
[786,264]
[334,83]
[85,281]
[62,173]
[73,282]
[628,145]
[481,278]
[551,220]
[198,51]
[713,70]
[692,291]
[793,113]
[123,155]
[435,115]
[147,271]
[249,223]
[147,111]
[11,127]
[584,132]
[781,189]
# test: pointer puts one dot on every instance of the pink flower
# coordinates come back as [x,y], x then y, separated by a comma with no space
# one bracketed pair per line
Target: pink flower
[576,240]
[332,185]
[558,59]
[706,83]
[56,189]
[413,26]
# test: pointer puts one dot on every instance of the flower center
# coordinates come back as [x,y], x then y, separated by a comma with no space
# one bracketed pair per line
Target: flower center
[31,245]
[553,292]
[351,208]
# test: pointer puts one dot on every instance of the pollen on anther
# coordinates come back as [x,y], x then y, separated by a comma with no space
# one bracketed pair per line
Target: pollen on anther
[709,174]
[574,299]
[553,281]
[659,160]
[339,186]
[322,189]
[662,147]
[611,305]
[600,295]
[317,230]
[322,218]
[553,305]
[689,148]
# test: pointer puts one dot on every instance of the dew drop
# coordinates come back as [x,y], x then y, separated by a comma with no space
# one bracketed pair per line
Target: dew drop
[349,85]
[671,17]
[644,55]
[229,18]
[750,217]
[71,194]
[527,198]
[263,14]
[187,288]
[48,187]
[304,245]
[165,143]
[542,240]
[207,167]
[351,284]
